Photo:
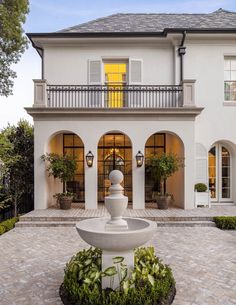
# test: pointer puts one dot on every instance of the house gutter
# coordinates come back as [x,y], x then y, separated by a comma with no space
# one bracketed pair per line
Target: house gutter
[181,52]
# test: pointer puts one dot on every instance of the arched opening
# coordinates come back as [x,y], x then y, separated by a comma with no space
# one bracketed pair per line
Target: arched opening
[68,143]
[165,142]
[220,172]
[114,152]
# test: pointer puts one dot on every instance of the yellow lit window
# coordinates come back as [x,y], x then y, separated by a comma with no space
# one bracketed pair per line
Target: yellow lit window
[115,80]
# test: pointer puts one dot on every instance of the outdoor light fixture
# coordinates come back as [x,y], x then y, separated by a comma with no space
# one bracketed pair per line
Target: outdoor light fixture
[89,159]
[182,50]
[139,159]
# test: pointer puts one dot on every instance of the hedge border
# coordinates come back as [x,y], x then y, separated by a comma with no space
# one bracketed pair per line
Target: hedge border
[225,222]
[67,300]
[8,225]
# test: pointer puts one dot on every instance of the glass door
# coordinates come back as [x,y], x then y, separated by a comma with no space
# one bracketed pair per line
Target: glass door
[115,80]
[114,152]
[220,173]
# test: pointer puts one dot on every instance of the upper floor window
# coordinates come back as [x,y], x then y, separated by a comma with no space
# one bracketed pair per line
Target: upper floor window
[230,78]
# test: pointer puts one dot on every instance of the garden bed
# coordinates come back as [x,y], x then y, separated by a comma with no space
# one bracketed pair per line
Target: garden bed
[225,222]
[8,225]
[150,283]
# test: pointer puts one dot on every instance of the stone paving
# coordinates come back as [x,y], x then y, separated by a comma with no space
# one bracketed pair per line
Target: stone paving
[203,261]
[151,212]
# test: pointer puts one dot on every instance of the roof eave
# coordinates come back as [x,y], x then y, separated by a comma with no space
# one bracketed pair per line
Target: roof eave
[130,34]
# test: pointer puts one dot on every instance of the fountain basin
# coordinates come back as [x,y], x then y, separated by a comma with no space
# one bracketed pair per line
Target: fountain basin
[138,233]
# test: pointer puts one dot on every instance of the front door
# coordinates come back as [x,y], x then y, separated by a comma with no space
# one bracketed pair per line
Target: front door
[114,152]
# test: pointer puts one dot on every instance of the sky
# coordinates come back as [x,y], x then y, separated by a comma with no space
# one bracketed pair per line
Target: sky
[53,15]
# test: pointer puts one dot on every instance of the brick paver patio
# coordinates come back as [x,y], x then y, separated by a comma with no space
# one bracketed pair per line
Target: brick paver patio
[203,261]
[78,212]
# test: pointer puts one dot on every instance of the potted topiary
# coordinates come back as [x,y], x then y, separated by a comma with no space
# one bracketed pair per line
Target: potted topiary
[63,168]
[160,168]
[202,195]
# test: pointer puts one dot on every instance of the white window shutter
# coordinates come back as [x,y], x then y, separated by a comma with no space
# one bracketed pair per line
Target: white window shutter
[135,71]
[95,72]
[201,163]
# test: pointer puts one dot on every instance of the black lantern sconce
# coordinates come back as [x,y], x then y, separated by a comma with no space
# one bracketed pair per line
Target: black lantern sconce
[139,159]
[89,159]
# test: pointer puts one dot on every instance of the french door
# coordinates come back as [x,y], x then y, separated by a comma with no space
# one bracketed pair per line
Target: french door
[220,173]
[115,80]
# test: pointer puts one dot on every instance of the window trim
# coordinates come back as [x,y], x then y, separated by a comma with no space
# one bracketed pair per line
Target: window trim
[228,57]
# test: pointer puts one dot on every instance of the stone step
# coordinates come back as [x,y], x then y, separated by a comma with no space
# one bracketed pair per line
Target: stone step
[76,219]
[185,224]
[22,224]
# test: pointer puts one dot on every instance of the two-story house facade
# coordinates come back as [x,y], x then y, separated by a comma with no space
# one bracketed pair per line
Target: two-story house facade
[136,84]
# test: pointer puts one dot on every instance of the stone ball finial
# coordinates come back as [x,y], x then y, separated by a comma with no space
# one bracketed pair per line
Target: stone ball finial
[116,176]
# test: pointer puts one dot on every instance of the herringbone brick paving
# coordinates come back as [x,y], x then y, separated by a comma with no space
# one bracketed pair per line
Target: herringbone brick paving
[203,261]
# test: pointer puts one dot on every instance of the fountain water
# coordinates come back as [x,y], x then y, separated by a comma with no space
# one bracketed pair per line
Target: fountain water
[116,236]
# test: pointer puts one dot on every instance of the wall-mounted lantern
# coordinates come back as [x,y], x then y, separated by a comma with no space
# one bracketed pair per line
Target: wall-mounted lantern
[139,159]
[89,159]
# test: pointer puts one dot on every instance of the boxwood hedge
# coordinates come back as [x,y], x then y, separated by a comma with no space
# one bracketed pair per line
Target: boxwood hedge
[225,222]
[8,224]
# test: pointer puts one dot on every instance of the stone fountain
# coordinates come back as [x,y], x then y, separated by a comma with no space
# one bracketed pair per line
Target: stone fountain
[116,236]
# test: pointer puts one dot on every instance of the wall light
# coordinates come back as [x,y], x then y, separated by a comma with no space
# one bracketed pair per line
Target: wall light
[139,159]
[89,159]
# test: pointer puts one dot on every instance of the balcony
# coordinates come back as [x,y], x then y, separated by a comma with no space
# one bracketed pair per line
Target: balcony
[114,97]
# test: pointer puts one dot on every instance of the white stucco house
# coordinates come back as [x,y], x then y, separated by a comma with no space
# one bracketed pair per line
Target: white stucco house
[139,82]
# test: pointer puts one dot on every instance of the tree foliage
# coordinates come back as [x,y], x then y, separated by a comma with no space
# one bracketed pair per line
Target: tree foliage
[61,167]
[162,167]
[12,41]
[17,156]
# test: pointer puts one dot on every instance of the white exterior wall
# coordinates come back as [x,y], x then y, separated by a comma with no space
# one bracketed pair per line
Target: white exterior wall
[69,65]
[204,61]
[90,131]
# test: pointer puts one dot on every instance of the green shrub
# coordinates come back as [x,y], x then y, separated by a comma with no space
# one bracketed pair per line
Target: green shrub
[151,282]
[2,230]
[8,225]
[200,187]
[225,222]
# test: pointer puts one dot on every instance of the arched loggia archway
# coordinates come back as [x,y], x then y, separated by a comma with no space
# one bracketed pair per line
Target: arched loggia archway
[114,152]
[68,143]
[165,142]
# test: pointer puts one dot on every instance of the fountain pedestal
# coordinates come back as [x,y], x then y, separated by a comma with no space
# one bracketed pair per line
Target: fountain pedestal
[107,261]
[116,236]
[116,203]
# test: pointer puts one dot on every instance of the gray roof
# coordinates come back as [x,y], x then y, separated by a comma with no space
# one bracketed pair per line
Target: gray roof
[126,23]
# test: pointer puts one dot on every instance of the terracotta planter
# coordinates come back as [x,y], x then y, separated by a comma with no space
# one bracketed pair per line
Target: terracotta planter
[65,202]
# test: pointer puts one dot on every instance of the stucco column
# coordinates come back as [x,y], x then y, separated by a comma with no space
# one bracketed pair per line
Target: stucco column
[189,173]
[40,176]
[40,93]
[90,179]
[188,92]
[138,180]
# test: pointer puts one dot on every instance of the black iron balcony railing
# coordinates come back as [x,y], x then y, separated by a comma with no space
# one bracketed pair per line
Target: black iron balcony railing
[114,96]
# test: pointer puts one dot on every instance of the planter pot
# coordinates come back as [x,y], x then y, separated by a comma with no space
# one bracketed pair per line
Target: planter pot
[163,202]
[202,198]
[65,202]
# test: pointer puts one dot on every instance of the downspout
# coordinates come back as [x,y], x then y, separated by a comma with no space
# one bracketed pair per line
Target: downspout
[181,52]
[42,59]
[40,51]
